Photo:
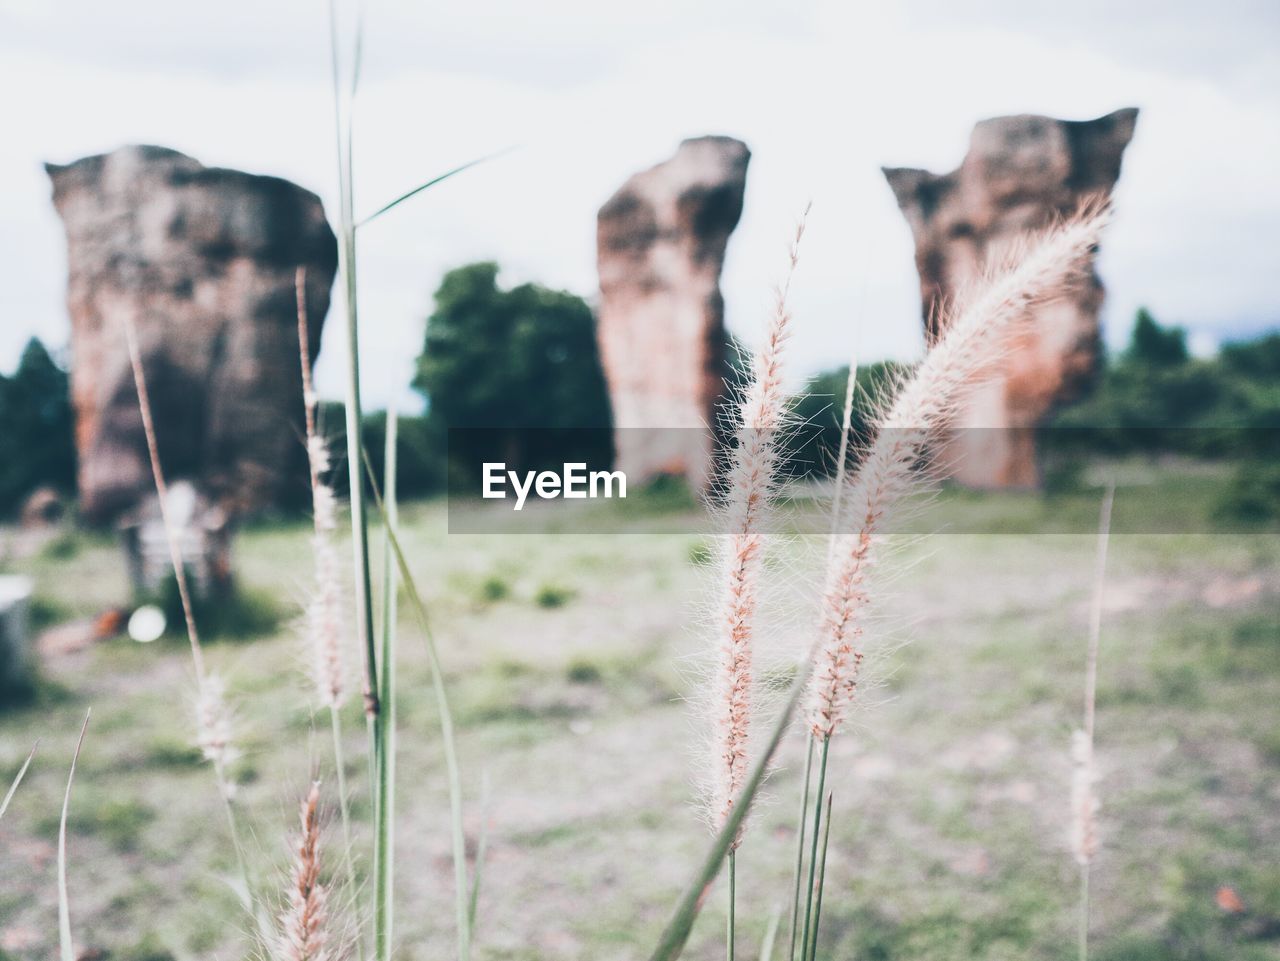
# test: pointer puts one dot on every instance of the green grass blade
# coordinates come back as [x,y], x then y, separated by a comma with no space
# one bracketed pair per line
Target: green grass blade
[1082,935]
[676,933]
[770,936]
[67,951]
[461,893]
[384,827]
[13,788]
[344,811]
[357,59]
[822,881]
[429,184]
[802,821]
[354,409]
[813,850]
[731,933]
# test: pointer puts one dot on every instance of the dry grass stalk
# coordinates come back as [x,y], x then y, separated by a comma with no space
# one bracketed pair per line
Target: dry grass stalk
[304,923]
[1084,800]
[213,720]
[324,610]
[213,725]
[162,492]
[842,457]
[1084,775]
[750,486]
[975,338]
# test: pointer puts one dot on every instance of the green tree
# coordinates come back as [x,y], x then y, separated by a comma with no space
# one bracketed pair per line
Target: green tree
[1151,345]
[817,411]
[37,445]
[519,367]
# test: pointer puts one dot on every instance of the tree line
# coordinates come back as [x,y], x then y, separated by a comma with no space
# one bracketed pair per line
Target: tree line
[498,361]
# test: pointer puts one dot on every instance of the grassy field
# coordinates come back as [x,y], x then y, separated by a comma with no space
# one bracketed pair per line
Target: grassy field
[572,661]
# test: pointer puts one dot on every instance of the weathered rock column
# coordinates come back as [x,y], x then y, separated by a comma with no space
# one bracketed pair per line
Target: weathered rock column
[203,260]
[661,245]
[1019,174]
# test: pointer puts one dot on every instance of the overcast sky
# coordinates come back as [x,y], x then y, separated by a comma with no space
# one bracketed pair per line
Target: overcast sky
[823,92]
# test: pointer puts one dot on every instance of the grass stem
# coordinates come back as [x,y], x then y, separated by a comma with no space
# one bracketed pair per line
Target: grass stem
[208,693]
[812,953]
[384,815]
[802,821]
[447,737]
[1084,913]
[770,935]
[733,897]
[1085,799]
[676,934]
[66,948]
[344,809]
[330,691]
[13,788]
[813,850]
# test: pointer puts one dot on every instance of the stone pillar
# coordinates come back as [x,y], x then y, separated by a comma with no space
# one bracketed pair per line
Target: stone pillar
[1019,174]
[203,260]
[661,245]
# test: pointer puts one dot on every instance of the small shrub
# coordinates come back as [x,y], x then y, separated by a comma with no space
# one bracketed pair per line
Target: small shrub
[1063,476]
[118,822]
[176,754]
[46,612]
[1178,684]
[509,667]
[62,546]
[581,670]
[1253,496]
[552,595]
[664,494]
[494,589]
[1259,630]
[1268,745]
[148,949]
[243,614]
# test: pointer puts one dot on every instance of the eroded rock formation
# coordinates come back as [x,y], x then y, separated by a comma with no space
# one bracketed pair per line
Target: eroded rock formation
[204,261]
[661,244]
[1019,174]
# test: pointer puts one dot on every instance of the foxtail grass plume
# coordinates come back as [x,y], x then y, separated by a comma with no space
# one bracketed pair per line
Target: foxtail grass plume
[324,609]
[304,923]
[1084,800]
[213,723]
[975,336]
[750,487]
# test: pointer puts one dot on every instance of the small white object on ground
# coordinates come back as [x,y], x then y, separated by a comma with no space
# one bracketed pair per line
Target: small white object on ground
[147,624]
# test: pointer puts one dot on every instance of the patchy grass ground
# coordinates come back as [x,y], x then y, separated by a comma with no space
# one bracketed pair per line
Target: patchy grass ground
[571,660]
